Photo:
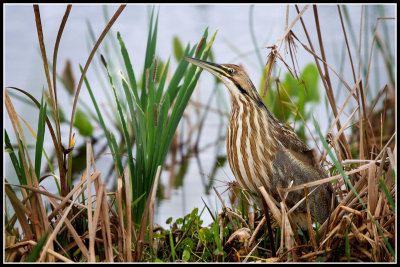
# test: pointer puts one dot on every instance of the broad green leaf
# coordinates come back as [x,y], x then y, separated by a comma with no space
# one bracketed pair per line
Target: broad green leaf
[178,49]
[186,255]
[82,123]
[310,78]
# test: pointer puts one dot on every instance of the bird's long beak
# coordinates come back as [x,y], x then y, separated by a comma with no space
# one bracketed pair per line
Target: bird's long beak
[216,69]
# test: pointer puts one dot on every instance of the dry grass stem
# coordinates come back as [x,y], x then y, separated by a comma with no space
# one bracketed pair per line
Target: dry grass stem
[325,180]
[344,105]
[129,223]
[292,209]
[309,221]
[72,230]
[57,228]
[288,29]
[92,234]
[257,230]
[271,205]
[372,189]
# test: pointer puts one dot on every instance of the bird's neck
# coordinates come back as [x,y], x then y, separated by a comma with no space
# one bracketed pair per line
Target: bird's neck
[238,101]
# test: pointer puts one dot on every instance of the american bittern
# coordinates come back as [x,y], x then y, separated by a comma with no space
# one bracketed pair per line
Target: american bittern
[262,151]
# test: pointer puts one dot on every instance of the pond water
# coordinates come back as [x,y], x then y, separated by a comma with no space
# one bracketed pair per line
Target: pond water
[233,44]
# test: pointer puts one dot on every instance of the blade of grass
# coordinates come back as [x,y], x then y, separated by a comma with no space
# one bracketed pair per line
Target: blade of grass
[388,196]
[128,66]
[40,137]
[108,135]
[36,249]
[14,160]
[171,243]
[123,123]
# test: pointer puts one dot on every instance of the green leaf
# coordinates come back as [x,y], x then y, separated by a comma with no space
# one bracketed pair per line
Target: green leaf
[387,194]
[116,154]
[169,220]
[82,123]
[40,138]
[13,158]
[193,214]
[128,66]
[310,78]
[20,157]
[171,242]
[208,236]
[225,232]
[178,49]
[186,255]
[134,203]
[117,160]
[161,85]
[36,249]
[216,235]
[124,126]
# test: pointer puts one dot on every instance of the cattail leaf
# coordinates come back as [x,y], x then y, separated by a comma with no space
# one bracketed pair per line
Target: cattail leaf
[123,123]
[309,80]
[117,161]
[128,66]
[40,137]
[172,89]
[161,85]
[116,153]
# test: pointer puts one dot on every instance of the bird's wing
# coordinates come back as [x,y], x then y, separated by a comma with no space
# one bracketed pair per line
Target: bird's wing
[290,139]
[292,142]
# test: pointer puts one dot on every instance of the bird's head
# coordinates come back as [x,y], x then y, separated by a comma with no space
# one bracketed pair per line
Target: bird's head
[233,76]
